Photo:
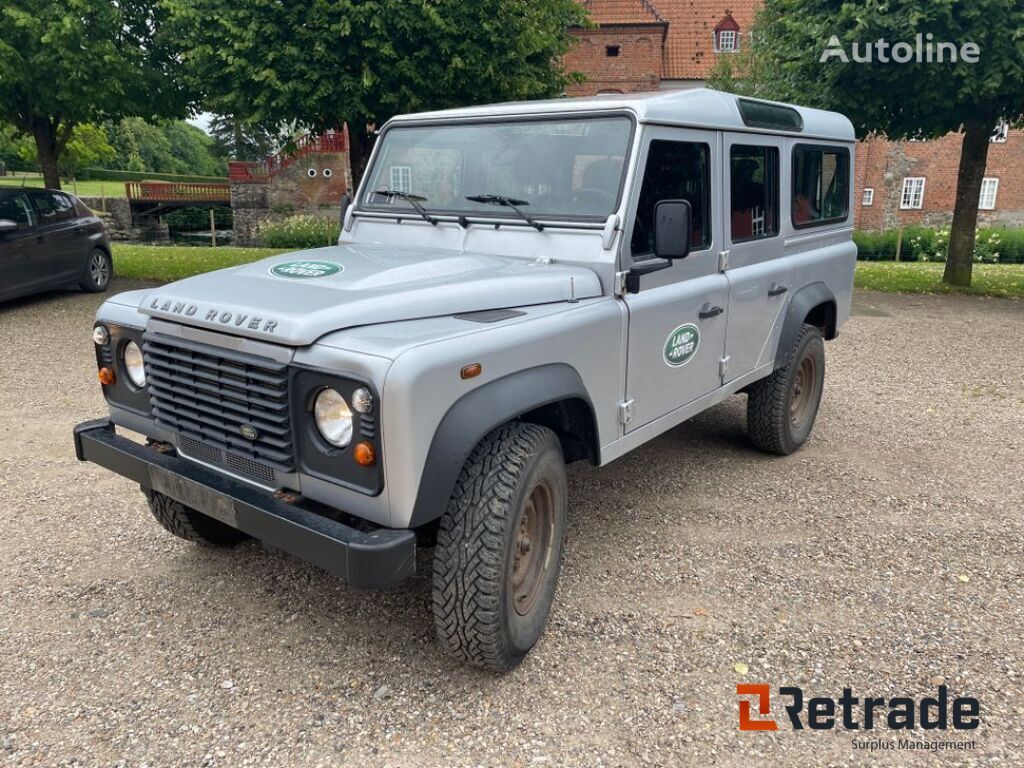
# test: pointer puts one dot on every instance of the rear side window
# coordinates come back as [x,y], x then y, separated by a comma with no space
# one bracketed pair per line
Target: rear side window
[17,209]
[754,192]
[53,207]
[821,185]
[676,170]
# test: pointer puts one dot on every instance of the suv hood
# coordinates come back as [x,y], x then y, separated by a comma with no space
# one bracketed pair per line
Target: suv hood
[296,298]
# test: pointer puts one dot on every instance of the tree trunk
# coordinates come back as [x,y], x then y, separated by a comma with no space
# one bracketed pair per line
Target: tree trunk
[360,145]
[973,158]
[47,151]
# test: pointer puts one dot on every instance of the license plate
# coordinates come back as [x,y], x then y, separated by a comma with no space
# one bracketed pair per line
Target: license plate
[193,494]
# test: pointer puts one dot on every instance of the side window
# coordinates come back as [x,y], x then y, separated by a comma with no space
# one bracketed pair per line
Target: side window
[821,185]
[675,170]
[16,208]
[754,192]
[52,207]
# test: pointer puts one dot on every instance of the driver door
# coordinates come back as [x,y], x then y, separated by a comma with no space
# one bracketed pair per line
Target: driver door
[677,321]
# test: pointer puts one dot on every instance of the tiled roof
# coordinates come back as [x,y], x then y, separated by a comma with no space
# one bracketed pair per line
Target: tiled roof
[690,43]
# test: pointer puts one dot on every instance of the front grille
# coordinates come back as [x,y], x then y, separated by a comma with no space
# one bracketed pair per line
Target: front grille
[207,395]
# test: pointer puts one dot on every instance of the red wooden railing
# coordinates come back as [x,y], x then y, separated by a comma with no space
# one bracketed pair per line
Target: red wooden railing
[261,170]
[173,192]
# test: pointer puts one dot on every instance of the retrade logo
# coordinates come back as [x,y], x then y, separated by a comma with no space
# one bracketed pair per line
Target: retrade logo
[849,712]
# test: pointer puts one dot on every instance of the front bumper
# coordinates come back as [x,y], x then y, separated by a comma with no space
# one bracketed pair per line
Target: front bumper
[368,559]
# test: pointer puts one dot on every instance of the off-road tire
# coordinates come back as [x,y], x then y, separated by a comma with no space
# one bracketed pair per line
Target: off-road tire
[479,547]
[779,417]
[98,273]
[192,525]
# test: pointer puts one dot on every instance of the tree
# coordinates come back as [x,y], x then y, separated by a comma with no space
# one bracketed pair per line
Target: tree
[919,99]
[78,61]
[87,147]
[320,64]
[234,140]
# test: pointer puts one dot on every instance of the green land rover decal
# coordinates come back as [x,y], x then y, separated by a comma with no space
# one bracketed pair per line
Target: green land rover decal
[300,270]
[682,344]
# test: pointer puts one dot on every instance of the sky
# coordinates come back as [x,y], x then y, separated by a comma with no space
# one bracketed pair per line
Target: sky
[202,120]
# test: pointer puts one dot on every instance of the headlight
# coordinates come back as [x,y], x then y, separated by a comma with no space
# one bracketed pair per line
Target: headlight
[132,357]
[333,418]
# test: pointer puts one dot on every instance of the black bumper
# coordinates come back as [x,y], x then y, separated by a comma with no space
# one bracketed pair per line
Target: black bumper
[372,560]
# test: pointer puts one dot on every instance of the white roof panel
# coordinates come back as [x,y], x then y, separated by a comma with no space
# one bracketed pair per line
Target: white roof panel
[697,108]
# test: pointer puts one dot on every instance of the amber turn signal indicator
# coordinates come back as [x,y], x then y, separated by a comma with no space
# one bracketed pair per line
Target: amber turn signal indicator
[106,376]
[471,371]
[364,454]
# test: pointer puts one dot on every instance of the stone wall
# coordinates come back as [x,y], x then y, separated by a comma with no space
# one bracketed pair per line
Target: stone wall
[116,213]
[313,186]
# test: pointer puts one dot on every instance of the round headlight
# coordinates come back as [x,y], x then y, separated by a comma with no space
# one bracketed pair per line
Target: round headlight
[100,335]
[132,356]
[333,418]
[362,400]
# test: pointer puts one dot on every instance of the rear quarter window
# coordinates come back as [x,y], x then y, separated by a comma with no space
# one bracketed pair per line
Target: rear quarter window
[821,185]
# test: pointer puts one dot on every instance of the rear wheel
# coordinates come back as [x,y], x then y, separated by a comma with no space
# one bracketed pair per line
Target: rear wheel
[99,270]
[782,407]
[499,547]
[190,524]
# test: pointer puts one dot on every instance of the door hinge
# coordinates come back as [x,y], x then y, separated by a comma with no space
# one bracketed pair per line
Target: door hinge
[723,368]
[626,411]
[620,283]
[723,261]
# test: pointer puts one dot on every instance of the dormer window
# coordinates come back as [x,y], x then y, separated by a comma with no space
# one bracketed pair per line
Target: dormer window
[727,35]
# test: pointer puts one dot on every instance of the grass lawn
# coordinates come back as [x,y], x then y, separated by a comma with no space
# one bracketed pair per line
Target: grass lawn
[87,188]
[172,262]
[1003,280]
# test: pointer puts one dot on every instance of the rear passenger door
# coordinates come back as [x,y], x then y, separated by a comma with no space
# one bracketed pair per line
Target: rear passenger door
[62,244]
[757,270]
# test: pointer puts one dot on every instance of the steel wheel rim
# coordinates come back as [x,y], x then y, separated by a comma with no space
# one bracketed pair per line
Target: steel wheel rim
[532,547]
[805,385]
[98,269]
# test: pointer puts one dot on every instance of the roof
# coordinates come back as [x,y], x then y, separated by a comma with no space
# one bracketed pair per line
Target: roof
[689,50]
[695,108]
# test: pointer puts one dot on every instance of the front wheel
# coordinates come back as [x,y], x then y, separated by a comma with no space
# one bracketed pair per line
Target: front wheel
[782,407]
[499,547]
[99,270]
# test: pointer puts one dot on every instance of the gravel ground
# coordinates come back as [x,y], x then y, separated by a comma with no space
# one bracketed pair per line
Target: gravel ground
[884,555]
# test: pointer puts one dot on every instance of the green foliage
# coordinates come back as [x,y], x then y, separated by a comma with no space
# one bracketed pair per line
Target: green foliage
[318,64]
[1001,280]
[991,246]
[87,146]
[234,140]
[80,61]
[13,148]
[300,232]
[168,262]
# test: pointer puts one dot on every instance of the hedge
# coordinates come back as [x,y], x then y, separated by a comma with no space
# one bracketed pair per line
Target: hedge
[108,174]
[300,232]
[992,246]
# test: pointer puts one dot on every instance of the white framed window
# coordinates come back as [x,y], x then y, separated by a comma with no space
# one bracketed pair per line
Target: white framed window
[1000,133]
[868,198]
[989,189]
[913,193]
[401,178]
[728,40]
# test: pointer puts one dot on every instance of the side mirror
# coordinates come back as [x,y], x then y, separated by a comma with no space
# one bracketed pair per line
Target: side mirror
[346,203]
[6,225]
[672,227]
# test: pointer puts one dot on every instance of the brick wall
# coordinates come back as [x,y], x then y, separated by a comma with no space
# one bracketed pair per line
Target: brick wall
[637,67]
[883,165]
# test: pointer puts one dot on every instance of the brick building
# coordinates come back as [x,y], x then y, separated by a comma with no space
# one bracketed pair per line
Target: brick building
[647,45]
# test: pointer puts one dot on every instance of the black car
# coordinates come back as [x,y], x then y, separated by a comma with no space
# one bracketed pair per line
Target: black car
[49,239]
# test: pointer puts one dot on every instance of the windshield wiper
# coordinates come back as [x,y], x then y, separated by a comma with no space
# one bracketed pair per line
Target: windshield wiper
[508,202]
[413,200]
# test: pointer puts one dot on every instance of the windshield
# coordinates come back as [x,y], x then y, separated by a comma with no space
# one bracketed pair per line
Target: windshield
[567,168]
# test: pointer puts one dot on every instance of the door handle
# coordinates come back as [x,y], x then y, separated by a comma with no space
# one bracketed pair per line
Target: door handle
[708,311]
[777,290]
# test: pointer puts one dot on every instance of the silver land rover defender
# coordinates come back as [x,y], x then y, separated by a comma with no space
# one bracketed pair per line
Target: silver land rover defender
[516,287]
